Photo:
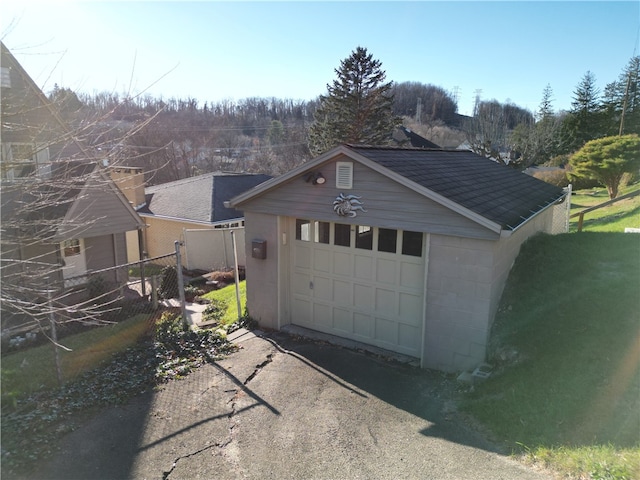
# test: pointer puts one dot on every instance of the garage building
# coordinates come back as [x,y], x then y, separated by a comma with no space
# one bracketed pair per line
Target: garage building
[403,249]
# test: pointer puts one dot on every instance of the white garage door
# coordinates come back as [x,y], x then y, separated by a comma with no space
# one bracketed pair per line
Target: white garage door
[359,282]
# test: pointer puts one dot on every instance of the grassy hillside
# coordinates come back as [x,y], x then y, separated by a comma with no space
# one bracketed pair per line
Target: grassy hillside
[567,349]
[613,218]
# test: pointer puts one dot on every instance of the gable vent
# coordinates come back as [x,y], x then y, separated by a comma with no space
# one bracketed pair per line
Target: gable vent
[344,174]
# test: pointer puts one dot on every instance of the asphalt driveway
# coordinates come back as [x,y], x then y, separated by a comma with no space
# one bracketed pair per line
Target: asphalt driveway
[281,408]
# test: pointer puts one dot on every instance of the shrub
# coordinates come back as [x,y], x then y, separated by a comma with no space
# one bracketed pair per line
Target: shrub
[554,177]
[215,311]
[181,349]
[169,283]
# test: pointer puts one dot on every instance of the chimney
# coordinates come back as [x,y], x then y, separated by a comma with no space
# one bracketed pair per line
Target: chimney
[130,180]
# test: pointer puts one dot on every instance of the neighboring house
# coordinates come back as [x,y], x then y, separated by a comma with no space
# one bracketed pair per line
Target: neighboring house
[404,135]
[192,205]
[403,249]
[59,208]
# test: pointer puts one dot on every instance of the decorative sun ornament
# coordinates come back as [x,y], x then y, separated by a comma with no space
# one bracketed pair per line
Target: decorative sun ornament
[348,205]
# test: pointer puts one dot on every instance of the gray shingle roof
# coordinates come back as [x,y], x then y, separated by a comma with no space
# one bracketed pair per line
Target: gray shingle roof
[498,193]
[200,198]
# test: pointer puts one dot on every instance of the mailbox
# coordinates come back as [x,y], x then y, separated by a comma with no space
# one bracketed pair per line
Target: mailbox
[259,249]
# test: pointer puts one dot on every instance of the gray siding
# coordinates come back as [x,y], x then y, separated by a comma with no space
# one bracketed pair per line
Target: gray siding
[262,275]
[387,204]
[107,251]
[99,210]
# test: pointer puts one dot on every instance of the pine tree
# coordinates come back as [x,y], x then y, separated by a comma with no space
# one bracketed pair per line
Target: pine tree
[357,108]
[629,94]
[584,120]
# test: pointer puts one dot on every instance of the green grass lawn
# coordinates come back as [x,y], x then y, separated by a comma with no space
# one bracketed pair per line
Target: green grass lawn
[613,218]
[566,348]
[228,295]
[29,370]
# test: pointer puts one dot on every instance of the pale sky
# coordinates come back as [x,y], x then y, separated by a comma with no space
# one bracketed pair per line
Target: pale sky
[211,51]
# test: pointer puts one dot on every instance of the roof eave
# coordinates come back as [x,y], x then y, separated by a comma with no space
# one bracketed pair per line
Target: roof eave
[292,174]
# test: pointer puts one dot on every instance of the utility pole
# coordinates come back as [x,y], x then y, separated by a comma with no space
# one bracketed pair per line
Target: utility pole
[624,105]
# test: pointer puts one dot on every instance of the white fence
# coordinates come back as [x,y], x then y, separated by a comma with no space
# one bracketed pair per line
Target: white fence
[212,249]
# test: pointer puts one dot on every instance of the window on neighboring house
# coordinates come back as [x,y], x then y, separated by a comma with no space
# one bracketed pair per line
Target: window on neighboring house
[71,247]
[24,160]
[5,77]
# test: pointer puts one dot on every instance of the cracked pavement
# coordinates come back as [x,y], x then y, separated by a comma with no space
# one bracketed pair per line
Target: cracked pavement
[283,407]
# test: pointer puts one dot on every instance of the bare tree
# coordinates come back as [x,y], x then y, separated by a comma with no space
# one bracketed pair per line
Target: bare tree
[53,182]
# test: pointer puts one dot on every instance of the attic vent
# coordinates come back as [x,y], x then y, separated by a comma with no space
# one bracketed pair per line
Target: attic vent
[344,174]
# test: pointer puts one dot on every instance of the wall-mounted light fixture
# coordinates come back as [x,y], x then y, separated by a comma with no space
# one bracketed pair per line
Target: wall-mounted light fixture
[316,178]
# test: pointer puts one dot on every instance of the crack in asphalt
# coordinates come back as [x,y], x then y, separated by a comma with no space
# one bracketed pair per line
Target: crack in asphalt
[165,475]
[259,367]
[232,423]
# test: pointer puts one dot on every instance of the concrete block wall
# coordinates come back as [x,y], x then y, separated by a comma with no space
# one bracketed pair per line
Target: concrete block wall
[459,288]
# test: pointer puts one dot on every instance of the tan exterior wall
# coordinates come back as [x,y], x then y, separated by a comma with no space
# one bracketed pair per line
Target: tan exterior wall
[133,246]
[130,180]
[161,234]
[262,274]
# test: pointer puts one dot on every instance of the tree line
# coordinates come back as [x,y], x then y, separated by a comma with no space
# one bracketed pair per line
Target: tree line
[182,137]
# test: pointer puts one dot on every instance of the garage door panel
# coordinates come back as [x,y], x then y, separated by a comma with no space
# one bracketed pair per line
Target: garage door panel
[301,283]
[362,324]
[386,301]
[322,289]
[411,275]
[363,296]
[303,256]
[342,294]
[322,315]
[342,263]
[409,337]
[301,311]
[410,309]
[386,271]
[342,320]
[386,331]
[363,267]
[322,260]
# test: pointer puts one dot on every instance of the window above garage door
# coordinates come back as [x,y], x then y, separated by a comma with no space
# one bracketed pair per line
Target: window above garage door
[363,237]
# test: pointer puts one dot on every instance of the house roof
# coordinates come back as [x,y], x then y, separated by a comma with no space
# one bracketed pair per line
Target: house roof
[416,140]
[201,198]
[495,195]
[49,206]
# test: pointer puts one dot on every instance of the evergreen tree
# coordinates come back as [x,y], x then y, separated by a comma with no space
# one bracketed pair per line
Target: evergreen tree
[545,110]
[583,122]
[357,108]
[607,160]
[629,94]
